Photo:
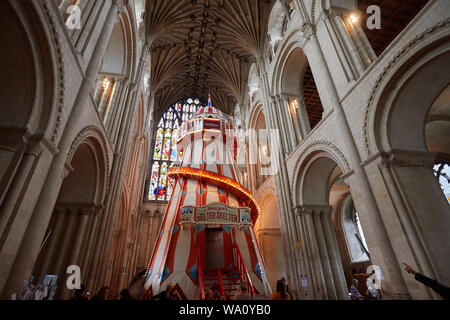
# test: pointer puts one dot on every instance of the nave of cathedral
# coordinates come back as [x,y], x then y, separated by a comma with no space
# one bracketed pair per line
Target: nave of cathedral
[203,144]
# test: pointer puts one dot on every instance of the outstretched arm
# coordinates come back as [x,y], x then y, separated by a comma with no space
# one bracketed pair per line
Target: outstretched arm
[442,290]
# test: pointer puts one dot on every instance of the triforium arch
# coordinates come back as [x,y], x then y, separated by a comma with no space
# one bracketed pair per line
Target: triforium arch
[294,91]
[407,109]
[118,67]
[318,169]
[259,148]
[75,223]
[29,104]
[31,95]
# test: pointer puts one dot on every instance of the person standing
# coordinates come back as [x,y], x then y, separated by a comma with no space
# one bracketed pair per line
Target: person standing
[78,294]
[242,293]
[281,293]
[125,295]
[372,292]
[166,294]
[101,294]
[354,293]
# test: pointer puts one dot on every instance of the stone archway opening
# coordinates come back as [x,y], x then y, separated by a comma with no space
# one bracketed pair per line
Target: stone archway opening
[411,130]
[319,189]
[72,229]
[269,237]
[300,95]
[437,138]
[351,240]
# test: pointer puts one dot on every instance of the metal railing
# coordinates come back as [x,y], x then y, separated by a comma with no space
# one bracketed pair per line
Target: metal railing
[242,269]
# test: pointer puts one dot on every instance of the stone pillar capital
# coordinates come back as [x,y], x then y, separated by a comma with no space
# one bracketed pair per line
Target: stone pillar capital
[120,6]
[308,30]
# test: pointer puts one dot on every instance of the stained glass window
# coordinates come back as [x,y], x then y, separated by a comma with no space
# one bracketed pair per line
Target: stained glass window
[165,153]
[442,172]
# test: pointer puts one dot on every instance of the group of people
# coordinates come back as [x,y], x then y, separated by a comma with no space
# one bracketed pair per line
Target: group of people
[83,294]
[373,293]
[243,293]
[281,293]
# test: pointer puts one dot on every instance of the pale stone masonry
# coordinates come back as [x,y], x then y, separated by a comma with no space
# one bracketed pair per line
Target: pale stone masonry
[79,109]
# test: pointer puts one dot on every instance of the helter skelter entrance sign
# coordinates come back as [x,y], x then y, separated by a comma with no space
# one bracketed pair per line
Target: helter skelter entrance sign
[207,203]
[216,214]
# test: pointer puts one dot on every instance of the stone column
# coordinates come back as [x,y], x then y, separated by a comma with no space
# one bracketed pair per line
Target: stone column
[106,97]
[294,138]
[321,291]
[418,214]
[77,239]
[296,116]
[54,242]
[342,44]
[369,211]
[87,258]
[337,270]
[287,220]
[121,107]
[65,244]
[97,89]
[361,43]
[32,152]
[325,253]
[117,172]
[325,266]
[305,126]
[283,129]
[88,26]
[112,107]
[305,267]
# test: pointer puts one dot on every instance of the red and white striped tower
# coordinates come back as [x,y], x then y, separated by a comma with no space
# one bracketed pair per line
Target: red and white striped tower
[207,231]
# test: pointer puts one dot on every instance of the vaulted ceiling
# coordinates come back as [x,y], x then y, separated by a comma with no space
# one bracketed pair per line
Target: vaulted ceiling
[202,46]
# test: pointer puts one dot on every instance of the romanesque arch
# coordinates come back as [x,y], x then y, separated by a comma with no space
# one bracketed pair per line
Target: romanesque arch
[270,240]
[259,152]
[117,67]
[316,183]
[406,109]
[28,87]
[75,223]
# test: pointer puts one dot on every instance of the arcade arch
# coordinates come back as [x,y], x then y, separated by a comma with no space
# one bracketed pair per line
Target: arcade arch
[75,222]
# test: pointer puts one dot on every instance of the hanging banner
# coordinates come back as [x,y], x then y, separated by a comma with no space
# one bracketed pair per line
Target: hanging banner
[216,214]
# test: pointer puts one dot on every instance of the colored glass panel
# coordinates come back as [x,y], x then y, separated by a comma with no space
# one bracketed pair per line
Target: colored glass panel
[165,152]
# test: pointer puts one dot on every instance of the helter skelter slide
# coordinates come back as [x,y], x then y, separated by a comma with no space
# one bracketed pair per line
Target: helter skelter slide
[206,240]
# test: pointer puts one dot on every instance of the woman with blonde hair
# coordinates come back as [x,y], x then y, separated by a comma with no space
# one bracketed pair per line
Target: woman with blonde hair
[281,293]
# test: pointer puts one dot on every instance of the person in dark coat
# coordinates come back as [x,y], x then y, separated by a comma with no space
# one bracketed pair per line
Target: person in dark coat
[166,294]
[125,295]
[78,295]
[101,294]
[440,289]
